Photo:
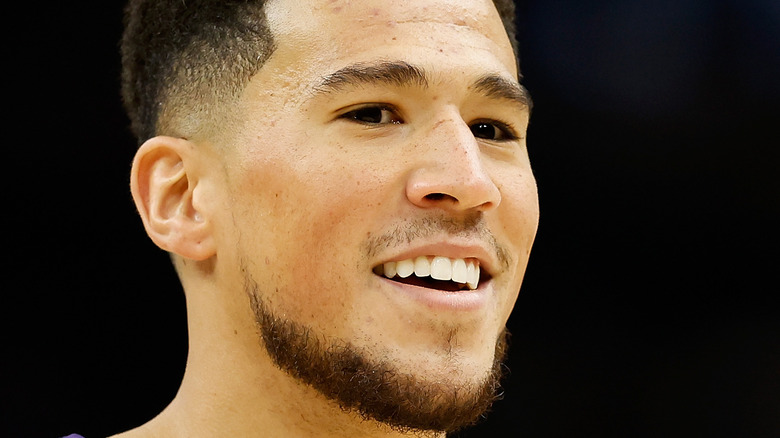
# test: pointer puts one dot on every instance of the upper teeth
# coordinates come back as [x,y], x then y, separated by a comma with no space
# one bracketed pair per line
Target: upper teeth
[438,268]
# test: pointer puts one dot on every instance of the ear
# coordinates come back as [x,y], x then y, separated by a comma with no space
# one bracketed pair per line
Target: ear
[164,183]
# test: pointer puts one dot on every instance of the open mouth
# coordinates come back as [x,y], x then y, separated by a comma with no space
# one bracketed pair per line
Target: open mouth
[435,272]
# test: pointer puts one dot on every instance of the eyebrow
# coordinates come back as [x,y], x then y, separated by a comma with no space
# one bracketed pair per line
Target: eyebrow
[403,74]
[498,87]
[390,73]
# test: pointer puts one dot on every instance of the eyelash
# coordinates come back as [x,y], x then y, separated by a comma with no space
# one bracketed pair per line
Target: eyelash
[353,114]
[506,131]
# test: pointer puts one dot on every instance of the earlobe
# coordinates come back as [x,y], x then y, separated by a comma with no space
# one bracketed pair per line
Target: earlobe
[164,182]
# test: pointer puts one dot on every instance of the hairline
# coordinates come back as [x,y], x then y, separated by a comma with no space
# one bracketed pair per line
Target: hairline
[199,98]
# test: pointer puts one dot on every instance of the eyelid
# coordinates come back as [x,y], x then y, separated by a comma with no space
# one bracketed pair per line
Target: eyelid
[507,128]
[344,112]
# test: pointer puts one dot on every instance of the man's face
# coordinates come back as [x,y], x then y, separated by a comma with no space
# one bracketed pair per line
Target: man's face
[377,134]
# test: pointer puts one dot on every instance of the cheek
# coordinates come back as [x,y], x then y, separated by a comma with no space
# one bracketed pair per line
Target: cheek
[520,209]
[519,219]
[303,224]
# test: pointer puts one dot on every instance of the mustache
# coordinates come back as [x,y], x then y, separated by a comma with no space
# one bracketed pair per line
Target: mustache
[472,227]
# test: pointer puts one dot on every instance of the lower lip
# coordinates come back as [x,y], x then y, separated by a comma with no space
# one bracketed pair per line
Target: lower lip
[462,300]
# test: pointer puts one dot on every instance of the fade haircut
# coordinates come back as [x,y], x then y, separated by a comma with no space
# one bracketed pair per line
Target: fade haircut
[183,59]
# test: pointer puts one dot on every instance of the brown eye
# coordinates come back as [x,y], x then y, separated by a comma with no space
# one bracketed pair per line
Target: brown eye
[374,115]
[492,131]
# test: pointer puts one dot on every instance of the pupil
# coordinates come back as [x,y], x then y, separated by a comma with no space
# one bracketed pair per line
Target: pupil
[369,115]
[483,130]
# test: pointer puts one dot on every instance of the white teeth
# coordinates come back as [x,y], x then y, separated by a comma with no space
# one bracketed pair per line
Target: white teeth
[390,269]
[441,268]
[472,272]
[404,268]
[422,267]
[438,268]
[459,271]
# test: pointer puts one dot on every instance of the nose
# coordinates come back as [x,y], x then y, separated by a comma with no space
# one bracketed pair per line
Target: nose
[452,175]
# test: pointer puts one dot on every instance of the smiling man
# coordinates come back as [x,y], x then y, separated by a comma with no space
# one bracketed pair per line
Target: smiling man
[345,192]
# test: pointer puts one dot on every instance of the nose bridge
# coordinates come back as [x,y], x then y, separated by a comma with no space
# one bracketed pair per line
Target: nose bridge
[459,148]
[453,173]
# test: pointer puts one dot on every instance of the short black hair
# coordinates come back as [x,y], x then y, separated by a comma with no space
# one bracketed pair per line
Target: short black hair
[180,57]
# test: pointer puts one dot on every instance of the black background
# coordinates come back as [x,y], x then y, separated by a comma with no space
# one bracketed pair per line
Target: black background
[650,307]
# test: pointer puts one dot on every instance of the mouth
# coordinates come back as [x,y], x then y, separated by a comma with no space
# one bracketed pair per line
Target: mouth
[435,272]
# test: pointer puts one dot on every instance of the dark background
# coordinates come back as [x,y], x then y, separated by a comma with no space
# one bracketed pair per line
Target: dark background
[650,307]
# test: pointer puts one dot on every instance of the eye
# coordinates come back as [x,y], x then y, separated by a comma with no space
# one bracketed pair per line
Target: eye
[492,130]
[374,115]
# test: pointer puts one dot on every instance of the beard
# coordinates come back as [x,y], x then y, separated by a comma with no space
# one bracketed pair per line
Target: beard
[374,389]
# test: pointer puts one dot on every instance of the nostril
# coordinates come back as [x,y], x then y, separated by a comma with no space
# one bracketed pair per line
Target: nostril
[436,196]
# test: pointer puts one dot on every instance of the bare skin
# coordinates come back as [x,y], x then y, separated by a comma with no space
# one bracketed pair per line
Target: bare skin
[323,179]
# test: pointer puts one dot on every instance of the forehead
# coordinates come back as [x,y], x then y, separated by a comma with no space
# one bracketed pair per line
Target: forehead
[336,31]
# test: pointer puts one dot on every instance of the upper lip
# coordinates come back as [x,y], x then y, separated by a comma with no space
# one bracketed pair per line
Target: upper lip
[454,249]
